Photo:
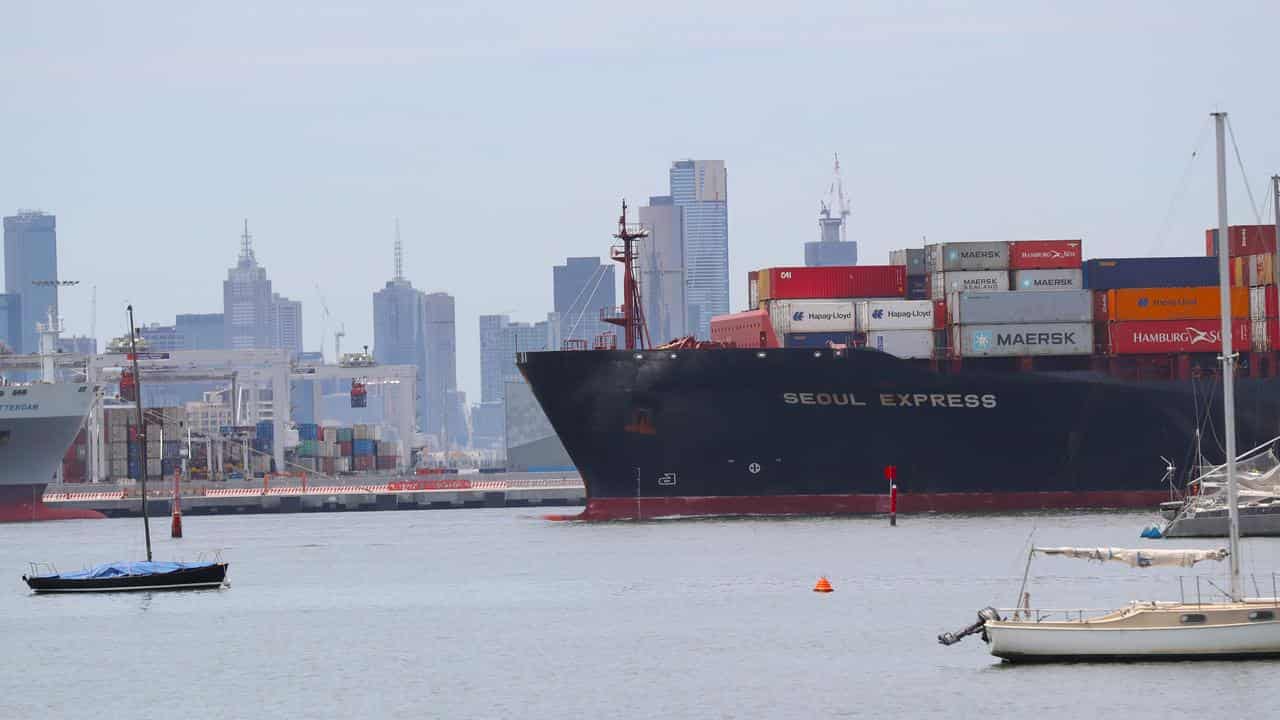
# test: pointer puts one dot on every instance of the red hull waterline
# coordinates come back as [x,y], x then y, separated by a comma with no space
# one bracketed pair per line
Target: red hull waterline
[655,507]
[25,503]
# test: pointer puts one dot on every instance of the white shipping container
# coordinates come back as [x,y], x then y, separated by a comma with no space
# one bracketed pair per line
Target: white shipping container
[1257,305]
[951,257]
[943,284]
[1025,308]
[1022,339]
[1064,279]
[893,314]
[1261,340]
[905,344]
[802,316]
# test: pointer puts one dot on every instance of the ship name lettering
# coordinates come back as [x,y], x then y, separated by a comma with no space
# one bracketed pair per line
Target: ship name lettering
[19,407]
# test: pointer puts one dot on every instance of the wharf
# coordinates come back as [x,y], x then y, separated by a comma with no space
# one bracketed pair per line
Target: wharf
[290,495]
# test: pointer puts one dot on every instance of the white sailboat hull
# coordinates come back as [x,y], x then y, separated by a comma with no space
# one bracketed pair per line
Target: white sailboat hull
[1038,642]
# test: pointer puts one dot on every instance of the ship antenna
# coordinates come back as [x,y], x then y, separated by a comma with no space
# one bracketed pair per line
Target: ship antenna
[635,332]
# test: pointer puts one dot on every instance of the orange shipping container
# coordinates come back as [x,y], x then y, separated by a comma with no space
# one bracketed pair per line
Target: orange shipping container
[1187,303]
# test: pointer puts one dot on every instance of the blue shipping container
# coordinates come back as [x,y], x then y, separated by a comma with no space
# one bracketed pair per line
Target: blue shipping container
[308,431]
[363,447]
[1119,273]
[816,340]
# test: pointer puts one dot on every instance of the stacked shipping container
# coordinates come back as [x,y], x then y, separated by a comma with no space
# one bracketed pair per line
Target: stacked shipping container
[330,450]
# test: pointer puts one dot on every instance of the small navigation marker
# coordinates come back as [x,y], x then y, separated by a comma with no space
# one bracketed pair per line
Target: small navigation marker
[823,586]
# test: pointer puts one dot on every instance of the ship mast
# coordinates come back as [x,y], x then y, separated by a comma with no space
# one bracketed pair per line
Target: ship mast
[635,333]
[1228,360]
[142,430]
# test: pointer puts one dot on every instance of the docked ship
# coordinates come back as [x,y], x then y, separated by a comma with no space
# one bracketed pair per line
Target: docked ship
[1055,404]
[38,422]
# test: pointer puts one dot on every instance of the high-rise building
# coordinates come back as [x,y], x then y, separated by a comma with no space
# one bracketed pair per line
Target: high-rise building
[500,340]
[833,246]
[441,368]
[700,188]
[246,301]
[201,331]
[31,272]
[399,331]
[10,322]
[661,269]
[160,338]
[286,323]
[583,286]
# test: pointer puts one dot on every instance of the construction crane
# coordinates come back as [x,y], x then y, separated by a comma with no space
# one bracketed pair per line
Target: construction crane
[338,334]
[833,228]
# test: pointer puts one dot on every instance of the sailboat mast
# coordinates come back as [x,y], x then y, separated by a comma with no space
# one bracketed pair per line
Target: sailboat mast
[142,431]
[1228,358]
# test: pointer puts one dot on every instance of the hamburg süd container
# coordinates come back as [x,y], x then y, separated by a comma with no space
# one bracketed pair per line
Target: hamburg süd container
[1117,273]
[1045,254]
[910,258]
[840,281]
[1157,303]
[943,284]
[1242,240]
[1176,336]
[750,329]
[1022,339]
[817,340]
[875,315]
[1047,280]
[906,344]
[998,308]
[801,316]
[948,257]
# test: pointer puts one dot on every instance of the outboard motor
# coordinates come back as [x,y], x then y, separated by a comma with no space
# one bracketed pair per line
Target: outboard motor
[985,614]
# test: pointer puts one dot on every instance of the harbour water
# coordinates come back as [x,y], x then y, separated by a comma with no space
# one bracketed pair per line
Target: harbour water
[492,613]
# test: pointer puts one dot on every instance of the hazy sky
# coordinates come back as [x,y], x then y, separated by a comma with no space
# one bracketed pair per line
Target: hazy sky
[504,134]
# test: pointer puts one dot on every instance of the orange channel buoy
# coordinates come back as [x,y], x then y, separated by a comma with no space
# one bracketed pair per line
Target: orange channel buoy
[823,586]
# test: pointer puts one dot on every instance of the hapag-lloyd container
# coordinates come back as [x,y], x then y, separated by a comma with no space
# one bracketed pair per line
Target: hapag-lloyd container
[910,258]
[998,308]
[1242,240]
[906,344]
[842,281]
[948,257]
[817,340]
[943,284]
[1045,254]
[1022,339]
[1116,273]
[1048,280]
[800,316]
[1263,302]
[1176,336]
[1155,303]
[1266,335]
[877,315]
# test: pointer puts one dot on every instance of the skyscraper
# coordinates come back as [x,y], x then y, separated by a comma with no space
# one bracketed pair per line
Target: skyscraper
[441,365]
[246,301]
[399,331]
[286,324]
[700,188]
[832,247]
[583,286]
[500,340]
[661,269]
[201,331]
[31,272]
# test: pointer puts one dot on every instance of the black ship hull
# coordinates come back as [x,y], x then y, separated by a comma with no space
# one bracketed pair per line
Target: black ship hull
[207,576]
[710,432]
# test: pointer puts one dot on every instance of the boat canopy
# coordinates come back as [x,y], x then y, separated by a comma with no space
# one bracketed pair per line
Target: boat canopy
[122,569]
[1143,557]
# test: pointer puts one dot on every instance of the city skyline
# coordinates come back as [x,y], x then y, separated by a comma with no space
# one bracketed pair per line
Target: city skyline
[159,131]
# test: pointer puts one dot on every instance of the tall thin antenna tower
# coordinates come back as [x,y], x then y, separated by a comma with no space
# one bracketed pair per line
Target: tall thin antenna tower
[246,243]
[399,277]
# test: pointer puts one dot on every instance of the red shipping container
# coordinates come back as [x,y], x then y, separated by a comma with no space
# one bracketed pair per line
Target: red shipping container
[842,281]
[1243,240]
[1045,254]
[1266,334]
[750,329]
[753,290]
[939,314]
[344,448]
[1175,336]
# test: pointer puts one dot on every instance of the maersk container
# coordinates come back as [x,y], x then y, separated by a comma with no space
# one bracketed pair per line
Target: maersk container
[943,284]
[1119,273]
[1023,339]
[801,316]
[950,257]
[1045,254]
[878,315]
[1244,240]
[910,258]
[906,344]
[1000,308]
[1048,280]
[817,339]
[838,281]
[917,287]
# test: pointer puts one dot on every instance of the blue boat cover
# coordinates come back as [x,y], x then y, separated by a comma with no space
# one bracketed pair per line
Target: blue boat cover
[123,569]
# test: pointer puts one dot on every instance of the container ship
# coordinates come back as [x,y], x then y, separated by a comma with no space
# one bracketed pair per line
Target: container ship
[988,376]
[37,424]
